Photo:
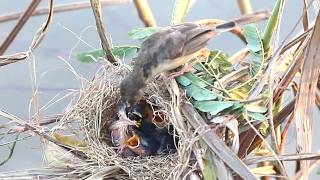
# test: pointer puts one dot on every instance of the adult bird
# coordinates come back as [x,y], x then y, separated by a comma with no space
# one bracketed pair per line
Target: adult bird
[170,48]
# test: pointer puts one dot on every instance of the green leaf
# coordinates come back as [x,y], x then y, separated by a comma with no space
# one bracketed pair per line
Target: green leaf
[271,25]
[256,108]
[88,57]
[184,81]
[200,94]
[195,80]
[142,33]
[255,60]
[125,52]
[181,8]
[214,107]
[208,78]
[253,39]
[255,46]
[257,116]
[198,67]
[236,106]
[122,52]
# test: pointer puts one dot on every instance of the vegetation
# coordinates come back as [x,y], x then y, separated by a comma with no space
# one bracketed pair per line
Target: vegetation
[223,110]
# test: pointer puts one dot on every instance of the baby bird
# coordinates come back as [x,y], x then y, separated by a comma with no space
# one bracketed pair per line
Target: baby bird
[143,132]
[170,48]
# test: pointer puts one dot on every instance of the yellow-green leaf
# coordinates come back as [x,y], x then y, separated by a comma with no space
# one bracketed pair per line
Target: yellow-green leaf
[68,140]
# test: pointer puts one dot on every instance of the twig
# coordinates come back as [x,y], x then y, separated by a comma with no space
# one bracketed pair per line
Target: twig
[318,99]
[306,95]
[44,122]
[244,6]
[42,134]
[298,175]
[305,20]
[291,72]
[285,133]
[11,150]
[105,43]
[145,13]
[287,157]
[24,18]
[249,140]
[61,8]
[215,144]
[8,59]
[43,173]
[296,40]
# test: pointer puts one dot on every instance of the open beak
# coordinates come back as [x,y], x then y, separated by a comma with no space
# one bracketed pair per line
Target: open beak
[133,143]
[158,120]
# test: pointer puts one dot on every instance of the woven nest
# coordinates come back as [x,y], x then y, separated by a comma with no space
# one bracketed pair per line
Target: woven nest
[89,116]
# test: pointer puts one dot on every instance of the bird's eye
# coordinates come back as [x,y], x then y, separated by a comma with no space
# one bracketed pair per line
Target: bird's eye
[131,116]
[138,114]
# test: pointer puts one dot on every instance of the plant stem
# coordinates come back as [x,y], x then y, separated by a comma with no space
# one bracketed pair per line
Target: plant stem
[244,6]
[22,21]
[60,8]
[105,43]
[145,13]
[271,25]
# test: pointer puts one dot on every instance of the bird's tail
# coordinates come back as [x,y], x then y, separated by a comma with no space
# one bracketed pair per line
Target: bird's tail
[243,20]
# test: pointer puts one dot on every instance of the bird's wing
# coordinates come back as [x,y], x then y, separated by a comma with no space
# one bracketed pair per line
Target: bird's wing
[195,37]
[171,43]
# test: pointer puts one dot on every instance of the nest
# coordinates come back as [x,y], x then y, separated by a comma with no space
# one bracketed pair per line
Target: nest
[89,116]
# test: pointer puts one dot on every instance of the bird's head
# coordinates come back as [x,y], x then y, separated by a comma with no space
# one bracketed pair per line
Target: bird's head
[130,91]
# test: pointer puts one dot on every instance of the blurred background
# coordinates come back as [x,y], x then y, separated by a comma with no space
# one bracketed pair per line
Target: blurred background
[62,42]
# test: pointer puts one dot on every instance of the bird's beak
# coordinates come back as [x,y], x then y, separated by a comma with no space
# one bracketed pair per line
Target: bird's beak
[135,146]
[159,120]
[133,142]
